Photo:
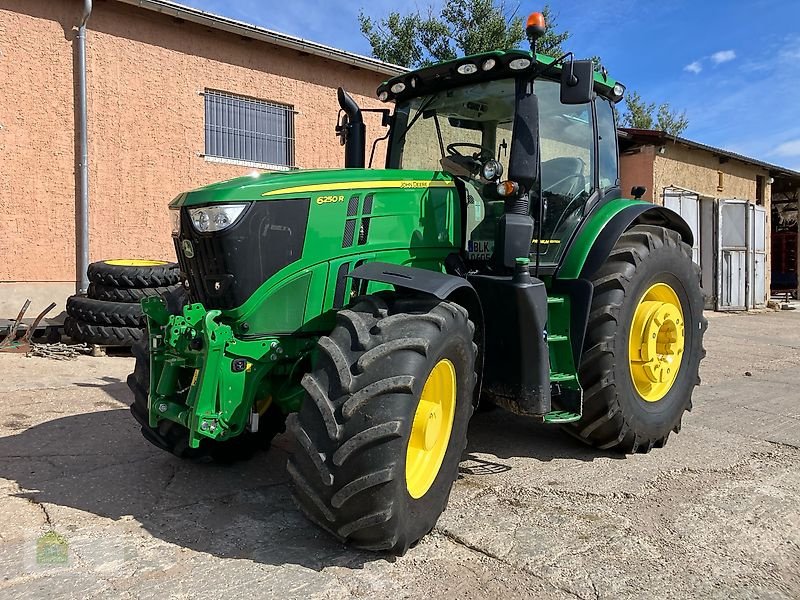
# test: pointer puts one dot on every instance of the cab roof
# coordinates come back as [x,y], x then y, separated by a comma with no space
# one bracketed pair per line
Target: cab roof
[444,75]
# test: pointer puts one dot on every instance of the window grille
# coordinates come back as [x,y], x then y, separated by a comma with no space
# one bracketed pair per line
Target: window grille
[247,130]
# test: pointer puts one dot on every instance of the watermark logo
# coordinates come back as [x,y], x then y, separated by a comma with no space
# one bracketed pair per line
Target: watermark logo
[52,549]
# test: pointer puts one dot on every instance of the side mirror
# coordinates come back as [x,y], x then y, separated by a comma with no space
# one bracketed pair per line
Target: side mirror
[577,82]
[638,191]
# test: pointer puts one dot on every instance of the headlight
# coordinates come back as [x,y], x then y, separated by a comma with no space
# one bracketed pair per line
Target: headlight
[175,217]
[492,170]
[215,218]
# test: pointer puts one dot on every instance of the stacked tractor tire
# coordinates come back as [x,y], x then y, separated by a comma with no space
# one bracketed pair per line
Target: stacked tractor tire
[111,314]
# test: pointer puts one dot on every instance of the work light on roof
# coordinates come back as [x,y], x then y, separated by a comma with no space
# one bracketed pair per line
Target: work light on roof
[519,63]
[467,69]
[488,64]
[398,87]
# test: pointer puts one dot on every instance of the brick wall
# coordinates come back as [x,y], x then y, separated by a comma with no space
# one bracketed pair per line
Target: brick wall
[146,124]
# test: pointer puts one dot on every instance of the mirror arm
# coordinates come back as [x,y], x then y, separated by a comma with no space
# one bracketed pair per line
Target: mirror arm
[546,70]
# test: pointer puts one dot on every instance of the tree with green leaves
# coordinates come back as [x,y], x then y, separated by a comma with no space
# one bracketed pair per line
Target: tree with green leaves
[647,115]
[462,27]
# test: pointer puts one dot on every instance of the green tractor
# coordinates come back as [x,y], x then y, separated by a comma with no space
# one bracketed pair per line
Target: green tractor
[371,310]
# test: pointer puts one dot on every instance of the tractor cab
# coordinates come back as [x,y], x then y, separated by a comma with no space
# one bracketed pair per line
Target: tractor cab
[459,117]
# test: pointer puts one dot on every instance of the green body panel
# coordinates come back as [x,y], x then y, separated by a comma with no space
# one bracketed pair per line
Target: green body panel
[588,234]
[415,220]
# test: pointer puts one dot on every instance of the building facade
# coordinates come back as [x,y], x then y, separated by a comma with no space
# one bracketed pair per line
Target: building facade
[726,199]
[177,99]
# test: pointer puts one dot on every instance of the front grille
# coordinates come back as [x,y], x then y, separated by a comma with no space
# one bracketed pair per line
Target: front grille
[226,267]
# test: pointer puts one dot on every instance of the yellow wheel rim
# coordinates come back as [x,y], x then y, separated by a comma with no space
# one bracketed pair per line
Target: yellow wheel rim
[135,262]
[656,344]
[430,431]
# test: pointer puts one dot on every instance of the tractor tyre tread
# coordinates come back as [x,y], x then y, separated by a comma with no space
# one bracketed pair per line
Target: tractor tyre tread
[133,277]
[101,335]
[100,312]
[108,293]
[347,475]
[607,423]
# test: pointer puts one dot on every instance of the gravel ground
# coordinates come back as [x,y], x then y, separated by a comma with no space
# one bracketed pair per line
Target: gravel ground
[535,514]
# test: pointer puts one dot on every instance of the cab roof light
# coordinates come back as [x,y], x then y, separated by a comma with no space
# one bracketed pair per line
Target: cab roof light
[535,27]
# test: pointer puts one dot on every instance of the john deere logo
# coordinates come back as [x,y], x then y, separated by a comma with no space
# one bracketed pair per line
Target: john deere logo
[188,249]
[52,549]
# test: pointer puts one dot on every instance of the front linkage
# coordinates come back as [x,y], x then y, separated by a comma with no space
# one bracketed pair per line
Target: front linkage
[211,382]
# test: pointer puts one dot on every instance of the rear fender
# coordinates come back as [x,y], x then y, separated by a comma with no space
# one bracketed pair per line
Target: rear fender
[592,247]
[601,230]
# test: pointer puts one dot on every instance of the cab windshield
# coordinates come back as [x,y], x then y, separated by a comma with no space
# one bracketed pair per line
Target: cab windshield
[476,122]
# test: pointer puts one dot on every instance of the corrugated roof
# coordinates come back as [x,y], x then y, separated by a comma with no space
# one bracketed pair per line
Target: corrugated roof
[263,34]
[653,136]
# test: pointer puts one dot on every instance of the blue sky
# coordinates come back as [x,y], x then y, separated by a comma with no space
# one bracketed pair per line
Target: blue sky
[733,66]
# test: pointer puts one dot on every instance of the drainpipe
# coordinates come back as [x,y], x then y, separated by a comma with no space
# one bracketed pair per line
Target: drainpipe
[83,164]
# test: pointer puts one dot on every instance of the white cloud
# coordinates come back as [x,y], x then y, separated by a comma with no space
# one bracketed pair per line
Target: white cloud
[693,67]
[723,56]
[790,148]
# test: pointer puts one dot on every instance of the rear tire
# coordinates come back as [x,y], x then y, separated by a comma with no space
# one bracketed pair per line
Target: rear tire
[352,473]
[615,413]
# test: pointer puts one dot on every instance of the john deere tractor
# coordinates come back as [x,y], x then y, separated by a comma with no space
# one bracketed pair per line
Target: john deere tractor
[492,260]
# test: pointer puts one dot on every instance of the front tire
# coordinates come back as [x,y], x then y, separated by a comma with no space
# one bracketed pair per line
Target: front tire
[381,431]
[649,288]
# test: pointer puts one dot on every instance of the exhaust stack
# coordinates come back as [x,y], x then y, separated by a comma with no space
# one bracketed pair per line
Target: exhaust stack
[351,131]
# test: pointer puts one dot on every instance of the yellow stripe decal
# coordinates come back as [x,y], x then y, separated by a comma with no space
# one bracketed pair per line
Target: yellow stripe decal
[361,185]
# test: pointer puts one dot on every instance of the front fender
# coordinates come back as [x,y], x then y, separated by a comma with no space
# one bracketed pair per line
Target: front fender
[600,231]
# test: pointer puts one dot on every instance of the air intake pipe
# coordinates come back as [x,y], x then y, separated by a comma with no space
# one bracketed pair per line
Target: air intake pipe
[351,131]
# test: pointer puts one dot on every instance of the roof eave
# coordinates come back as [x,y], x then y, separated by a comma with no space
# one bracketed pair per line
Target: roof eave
[654,136]
[276,38]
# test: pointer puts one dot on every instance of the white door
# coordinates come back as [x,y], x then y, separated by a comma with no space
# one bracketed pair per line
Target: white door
[758,255]
[687,205]
[732,255]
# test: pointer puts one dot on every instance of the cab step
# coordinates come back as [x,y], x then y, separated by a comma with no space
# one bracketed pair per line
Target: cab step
[562,377]
[561,416]
[556,338]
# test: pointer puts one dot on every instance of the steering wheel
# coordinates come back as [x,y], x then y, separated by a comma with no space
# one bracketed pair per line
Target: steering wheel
[482,153]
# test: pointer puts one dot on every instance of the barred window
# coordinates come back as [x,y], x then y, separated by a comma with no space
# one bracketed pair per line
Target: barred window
[248,130]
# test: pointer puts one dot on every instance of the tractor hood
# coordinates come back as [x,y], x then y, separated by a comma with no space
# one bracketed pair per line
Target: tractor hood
[311,184]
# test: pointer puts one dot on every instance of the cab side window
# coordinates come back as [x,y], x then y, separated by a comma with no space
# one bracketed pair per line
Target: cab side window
[607,145]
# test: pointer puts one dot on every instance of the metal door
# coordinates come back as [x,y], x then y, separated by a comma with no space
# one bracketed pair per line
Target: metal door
[758,256]
[732,255]
[687,205]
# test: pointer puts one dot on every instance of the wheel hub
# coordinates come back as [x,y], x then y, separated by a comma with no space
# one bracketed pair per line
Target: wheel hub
[656,342]
[431,428]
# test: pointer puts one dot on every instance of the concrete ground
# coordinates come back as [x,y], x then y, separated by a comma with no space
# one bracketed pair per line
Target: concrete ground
[535,514]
